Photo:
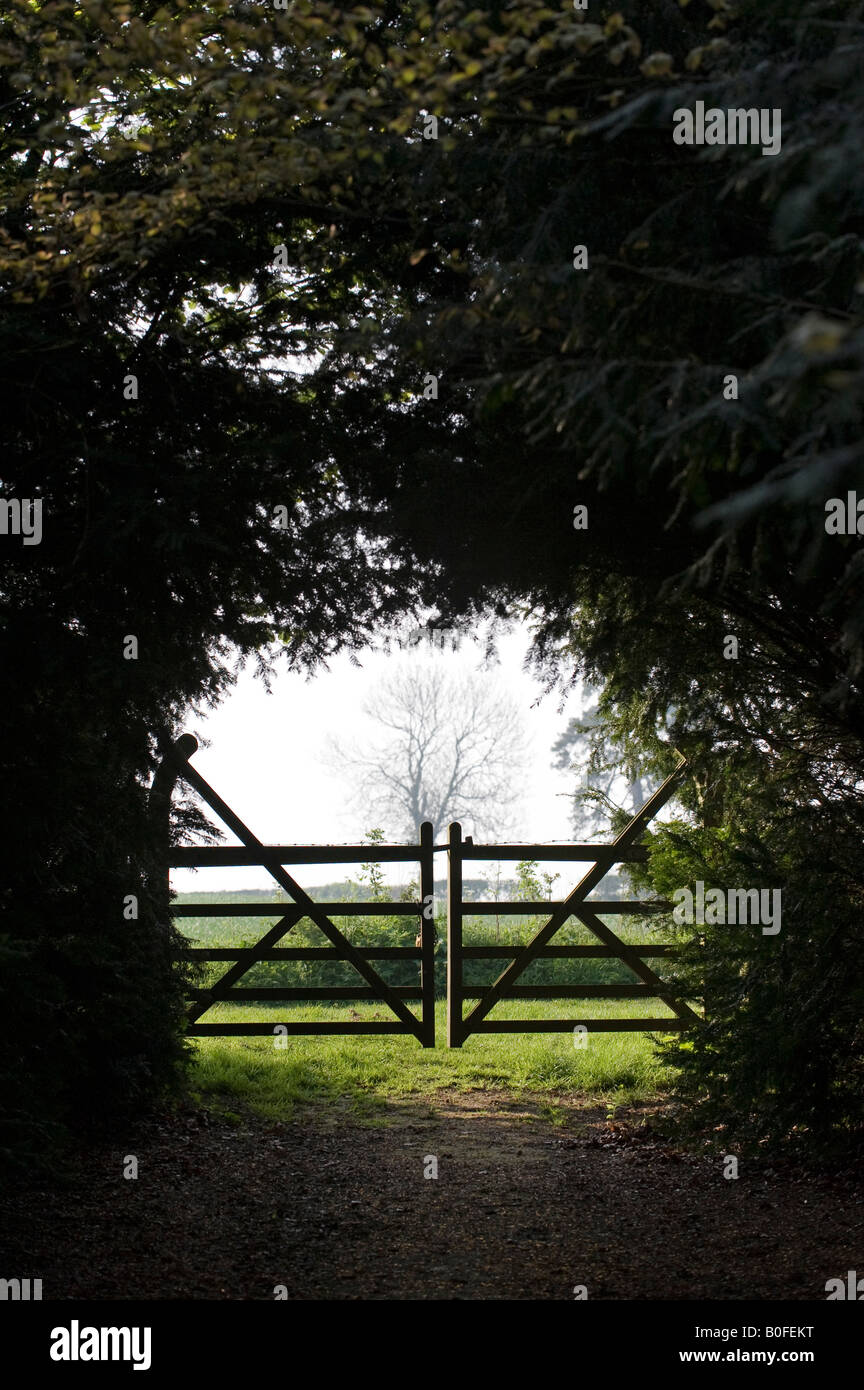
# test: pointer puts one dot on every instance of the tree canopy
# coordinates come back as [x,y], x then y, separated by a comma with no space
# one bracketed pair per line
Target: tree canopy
[298,339]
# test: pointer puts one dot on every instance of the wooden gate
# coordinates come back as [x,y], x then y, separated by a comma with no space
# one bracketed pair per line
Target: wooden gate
[273,858]
[624,849]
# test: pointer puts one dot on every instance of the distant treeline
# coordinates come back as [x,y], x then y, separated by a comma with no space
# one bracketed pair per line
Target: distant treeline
[473,890]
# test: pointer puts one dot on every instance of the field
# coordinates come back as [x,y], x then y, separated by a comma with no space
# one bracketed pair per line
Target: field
[368,1071]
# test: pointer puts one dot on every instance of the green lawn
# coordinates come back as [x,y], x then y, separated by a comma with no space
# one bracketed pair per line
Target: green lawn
[365,1070]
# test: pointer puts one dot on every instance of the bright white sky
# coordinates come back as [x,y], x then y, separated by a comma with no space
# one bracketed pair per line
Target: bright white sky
[265,758]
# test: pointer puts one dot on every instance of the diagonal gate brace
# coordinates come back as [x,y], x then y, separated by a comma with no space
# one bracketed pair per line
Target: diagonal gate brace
[307,906]
[575,905]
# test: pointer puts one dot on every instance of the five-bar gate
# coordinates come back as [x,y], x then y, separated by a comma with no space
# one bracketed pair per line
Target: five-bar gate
[460,1026]
[274,858]
[577,904]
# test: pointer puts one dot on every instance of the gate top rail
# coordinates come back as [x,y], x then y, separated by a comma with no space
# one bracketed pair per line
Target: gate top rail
[232,856]
[632,854]
[235,856]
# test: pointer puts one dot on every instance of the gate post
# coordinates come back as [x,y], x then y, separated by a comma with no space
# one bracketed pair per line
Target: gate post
[455,1036]
[159,804]
[427,933]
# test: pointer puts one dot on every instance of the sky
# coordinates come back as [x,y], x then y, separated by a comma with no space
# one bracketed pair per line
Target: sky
[265,755]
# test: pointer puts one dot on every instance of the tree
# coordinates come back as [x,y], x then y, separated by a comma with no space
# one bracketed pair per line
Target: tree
[531,886]
[447,748]
[771,792]
[694,388]
[592,799]
[370,875]
[188,497]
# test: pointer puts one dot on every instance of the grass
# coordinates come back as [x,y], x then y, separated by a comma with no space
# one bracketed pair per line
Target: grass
[367,1071]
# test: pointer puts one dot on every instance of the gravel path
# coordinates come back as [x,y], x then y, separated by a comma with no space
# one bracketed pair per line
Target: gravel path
[327,1207]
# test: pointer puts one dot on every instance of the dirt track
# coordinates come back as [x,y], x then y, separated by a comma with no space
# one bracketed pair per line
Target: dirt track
[331,1208]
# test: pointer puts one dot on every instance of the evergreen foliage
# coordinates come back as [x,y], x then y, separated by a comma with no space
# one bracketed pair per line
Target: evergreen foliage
[154,163]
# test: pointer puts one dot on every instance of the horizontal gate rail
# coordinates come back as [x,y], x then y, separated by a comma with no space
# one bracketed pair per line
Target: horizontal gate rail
[332,1028]
[566,992]
[353,909]
[235,856]
[252,851]
[566,1025]
[577,904]
[563,952]
[629,854]
[319,992]
[303,952]
[544,905]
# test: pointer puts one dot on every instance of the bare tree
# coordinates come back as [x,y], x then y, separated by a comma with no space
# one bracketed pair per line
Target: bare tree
[442,748]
